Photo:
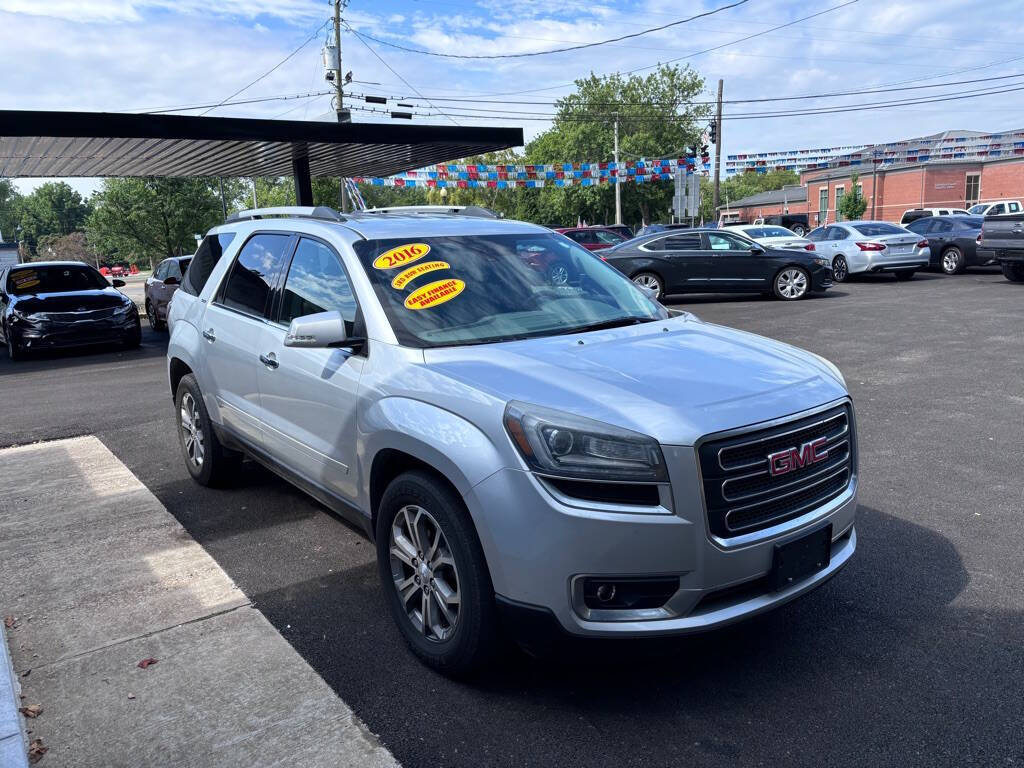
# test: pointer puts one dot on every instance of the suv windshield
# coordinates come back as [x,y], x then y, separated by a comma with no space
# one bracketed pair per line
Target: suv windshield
[25,281]
[445,291]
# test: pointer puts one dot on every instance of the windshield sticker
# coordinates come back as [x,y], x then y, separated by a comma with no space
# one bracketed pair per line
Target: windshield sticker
[25,279]
[404,278]
[403,254]
[434,293]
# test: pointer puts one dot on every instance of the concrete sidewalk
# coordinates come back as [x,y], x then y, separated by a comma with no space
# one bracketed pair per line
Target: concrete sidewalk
[100,576]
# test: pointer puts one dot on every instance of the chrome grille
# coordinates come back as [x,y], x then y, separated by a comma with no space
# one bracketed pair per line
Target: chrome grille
[742,496]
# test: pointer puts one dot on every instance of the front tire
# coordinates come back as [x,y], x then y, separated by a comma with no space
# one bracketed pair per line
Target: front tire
[207,460]
[1013,272]
[791,283]
[154,322]
[840,269]
[952,261]
[905,274]
[650,281]
[435,576]
[14,352]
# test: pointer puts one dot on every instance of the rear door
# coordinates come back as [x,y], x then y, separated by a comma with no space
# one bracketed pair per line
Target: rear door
[309,396]
[732,265]
[686,265]
[233,327]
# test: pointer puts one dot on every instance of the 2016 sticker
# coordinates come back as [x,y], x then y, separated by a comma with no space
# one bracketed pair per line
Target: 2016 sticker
[432,294]
[405,277]
[402,254]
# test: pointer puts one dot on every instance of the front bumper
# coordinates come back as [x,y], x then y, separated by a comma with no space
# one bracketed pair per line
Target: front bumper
[47,335]
[540,546]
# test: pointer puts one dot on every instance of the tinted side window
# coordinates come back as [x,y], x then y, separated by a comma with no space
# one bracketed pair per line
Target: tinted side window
[207,255]
[173,270]
[942,225]
[920,226]
[996,210]
[317,283]
[836,233]
[817,235]
[161,270]
[689,242]
[1014,208]
[253,273]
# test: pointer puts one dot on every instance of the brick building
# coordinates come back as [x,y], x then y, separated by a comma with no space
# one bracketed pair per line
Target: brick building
[771,203]
[892,188]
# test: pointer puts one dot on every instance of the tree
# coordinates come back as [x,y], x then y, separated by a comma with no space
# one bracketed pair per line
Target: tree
[853,205]
[150,219]
[53,208]
[9,204]
[72,247]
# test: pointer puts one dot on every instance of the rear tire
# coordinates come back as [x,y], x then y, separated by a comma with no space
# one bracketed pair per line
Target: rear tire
[952,261]
[799,230]
[1013,272]
[650,280]
[558,274]
[905,274]
[424,532]
[207,460]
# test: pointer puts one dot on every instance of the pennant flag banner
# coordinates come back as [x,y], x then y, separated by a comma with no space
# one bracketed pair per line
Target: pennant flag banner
[534,176]
[923,150]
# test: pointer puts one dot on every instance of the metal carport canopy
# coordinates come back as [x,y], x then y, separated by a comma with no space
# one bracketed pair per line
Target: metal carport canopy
[64,144]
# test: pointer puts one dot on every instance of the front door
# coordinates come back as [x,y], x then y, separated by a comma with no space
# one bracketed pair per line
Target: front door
[687,265]
[309,396]
[733,266]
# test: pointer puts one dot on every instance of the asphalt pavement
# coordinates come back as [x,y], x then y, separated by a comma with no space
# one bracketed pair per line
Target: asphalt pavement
[913,655]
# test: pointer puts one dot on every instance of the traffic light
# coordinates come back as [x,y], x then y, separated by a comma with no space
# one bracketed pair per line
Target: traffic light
[712,131]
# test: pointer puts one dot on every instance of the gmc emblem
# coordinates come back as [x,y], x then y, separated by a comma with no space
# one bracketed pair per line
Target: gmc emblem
[784,462]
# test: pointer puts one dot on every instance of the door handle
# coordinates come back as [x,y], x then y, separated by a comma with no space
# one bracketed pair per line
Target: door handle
[270,362]
[209,335]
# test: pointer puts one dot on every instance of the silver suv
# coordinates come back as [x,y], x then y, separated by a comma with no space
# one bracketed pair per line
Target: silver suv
[527,456]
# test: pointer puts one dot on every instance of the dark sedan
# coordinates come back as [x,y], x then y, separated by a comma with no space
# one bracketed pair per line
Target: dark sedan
[717,261]
[953,241]
[51,305]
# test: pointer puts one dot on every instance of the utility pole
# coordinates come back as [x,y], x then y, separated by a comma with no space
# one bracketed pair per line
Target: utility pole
[344,116]
[618,192]
[718,149]
[223,202]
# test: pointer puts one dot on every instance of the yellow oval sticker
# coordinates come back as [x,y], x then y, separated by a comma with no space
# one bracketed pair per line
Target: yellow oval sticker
[403,254]
[403,278]
[434,293]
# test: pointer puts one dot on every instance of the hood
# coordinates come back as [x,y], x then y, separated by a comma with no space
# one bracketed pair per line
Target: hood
[676,380]
[71,301]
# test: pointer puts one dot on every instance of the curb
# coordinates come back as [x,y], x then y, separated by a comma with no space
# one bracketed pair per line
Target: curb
[13,746]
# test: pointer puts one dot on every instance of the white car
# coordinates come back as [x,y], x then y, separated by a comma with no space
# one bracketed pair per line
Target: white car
[772,236]
[913,214]
[871,246]
[996,208]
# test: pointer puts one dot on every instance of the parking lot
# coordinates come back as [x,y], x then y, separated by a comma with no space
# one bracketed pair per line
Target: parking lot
[913,655]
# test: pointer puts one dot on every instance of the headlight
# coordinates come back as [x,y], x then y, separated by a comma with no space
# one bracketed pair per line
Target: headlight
[821,262]
[556,443]
[24,317]
[124,308]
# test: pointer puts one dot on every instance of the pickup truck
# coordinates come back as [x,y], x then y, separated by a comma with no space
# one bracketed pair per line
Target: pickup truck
[1002,239]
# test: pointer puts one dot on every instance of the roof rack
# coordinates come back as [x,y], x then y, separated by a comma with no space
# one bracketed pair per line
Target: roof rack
[295,211]
[477,211]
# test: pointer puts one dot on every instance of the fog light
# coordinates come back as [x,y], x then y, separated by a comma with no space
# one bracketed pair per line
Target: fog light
[628,593]
[605,592]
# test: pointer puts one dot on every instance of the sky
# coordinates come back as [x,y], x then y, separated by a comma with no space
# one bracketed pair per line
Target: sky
[142,55]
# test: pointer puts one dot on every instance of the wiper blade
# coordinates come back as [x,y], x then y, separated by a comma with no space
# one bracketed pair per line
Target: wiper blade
[617,323]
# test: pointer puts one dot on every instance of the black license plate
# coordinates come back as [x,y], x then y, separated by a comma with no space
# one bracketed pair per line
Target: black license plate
[796,560]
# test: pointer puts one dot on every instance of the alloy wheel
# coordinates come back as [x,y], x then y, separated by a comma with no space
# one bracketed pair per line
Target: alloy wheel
[839,269]
[424,573]
[951,261]
[558,274]
[151,314]
[792,283]
[649,282]
[192,430]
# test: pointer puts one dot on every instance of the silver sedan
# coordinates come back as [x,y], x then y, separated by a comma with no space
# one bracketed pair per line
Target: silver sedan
[871,246]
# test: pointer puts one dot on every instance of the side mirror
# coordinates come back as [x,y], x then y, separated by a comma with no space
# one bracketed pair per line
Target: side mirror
[756,250]
[324,329]
[650,293]
[117,283]
[171,280]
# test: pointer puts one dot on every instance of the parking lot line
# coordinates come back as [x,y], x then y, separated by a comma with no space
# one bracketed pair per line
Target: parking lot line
[98,576]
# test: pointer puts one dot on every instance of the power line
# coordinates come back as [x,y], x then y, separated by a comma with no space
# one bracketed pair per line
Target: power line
[579,47]
[240,101]
[835,94]
[269,71]
[379,58]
